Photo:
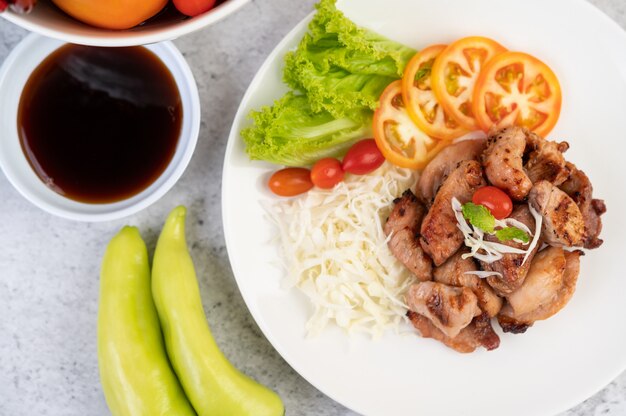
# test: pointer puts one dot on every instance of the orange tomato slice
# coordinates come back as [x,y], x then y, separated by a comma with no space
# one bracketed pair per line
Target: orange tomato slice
[517,89]
[455,72]
[421,103]
[397,136]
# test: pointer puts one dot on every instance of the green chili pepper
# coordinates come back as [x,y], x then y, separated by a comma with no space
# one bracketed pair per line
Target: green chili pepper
[136,376]
[212,384]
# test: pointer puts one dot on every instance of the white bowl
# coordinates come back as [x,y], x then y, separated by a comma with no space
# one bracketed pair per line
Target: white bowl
[13,76]
[48,20]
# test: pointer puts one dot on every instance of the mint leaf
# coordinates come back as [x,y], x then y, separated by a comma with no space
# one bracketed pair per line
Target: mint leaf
[479,216]
[512,233]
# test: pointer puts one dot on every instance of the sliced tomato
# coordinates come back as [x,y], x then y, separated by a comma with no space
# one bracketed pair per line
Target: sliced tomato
[517,89]
[422,104]
[397,136]
[455,72]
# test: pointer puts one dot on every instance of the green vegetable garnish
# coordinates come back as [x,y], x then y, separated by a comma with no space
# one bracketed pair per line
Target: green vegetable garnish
[342,67]
[480,217]
[339,71]
[291,133]
[512,233]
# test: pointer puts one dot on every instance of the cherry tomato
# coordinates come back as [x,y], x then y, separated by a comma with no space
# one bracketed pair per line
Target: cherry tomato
[515,88]
[495,199]
[420,100]
[290,181]
[327,173]
[454,75]
[397,136]
[194,7]
[363,157]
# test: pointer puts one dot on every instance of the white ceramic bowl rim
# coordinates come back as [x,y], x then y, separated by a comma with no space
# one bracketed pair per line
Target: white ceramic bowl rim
[76,32]
[13,76]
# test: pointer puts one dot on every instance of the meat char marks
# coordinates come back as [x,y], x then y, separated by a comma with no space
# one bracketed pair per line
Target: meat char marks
[549,286]
[403,225]
[458,294]
[440,236]
[479,333]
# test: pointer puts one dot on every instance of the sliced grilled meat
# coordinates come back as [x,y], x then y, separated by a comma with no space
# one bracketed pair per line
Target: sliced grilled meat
[403,224]
[563,223]
[449,308]
[510,265]
[549,286]
[452,273]
[545,160]
[445,162]
[579,188]
[503,162]
[479,333]
[440,236]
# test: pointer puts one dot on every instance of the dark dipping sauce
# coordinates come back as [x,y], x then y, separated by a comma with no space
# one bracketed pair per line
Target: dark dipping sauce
[99,125]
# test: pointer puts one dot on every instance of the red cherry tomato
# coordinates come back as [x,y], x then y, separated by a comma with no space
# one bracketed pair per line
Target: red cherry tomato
[363,157]
[495,199]
[327,173]
[290,181]
[194,7]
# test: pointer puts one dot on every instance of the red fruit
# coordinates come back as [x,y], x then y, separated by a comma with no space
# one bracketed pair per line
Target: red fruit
[363,157]
[290,181]
[194,7]
[327,173]
[495,199]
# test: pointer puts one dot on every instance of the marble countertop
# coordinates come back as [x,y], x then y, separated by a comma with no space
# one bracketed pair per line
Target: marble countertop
[49,266]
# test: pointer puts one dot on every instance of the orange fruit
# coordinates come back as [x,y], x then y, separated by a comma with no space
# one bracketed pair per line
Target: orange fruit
[111,14]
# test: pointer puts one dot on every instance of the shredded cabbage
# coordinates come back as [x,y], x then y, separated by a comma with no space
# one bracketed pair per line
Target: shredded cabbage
[335,251]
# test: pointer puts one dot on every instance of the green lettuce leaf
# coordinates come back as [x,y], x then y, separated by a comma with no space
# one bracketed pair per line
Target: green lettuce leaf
[291,133]
[337,73]
[342,67]
[337,91]
[341,42]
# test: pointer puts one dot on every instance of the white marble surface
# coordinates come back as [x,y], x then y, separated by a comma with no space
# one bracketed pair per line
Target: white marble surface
[49,266]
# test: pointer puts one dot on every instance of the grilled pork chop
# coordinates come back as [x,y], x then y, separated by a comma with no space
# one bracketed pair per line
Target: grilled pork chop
[445,162]
[479,333]
[403,224]
[510,265]
[449,308]
[440,237]
[452,273]
[563,223]
[550,284]
[579,188]
[503,162]
[545,160]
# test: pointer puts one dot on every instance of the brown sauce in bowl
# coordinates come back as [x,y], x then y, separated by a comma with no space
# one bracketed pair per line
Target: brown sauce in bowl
[99,125]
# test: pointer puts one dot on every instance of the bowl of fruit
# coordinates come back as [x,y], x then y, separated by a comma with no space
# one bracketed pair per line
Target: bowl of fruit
[116,22]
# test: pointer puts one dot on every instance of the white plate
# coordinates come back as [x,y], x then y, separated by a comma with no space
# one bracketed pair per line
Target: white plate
[558,362]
